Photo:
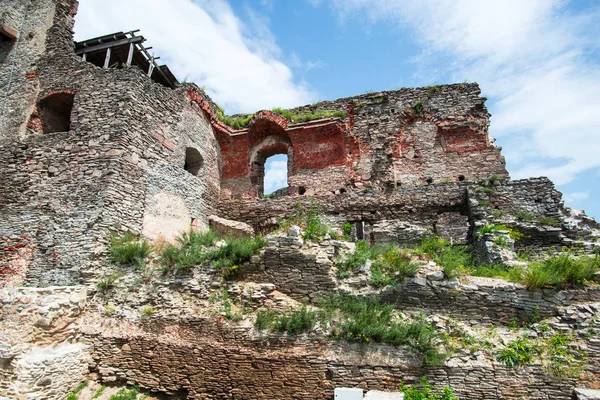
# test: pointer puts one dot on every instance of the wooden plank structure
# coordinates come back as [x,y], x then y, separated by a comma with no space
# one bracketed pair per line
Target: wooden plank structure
[124,49]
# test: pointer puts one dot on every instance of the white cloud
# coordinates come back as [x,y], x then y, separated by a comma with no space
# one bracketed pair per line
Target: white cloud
[576,196]
[275,174]
[204,42]
[534,59]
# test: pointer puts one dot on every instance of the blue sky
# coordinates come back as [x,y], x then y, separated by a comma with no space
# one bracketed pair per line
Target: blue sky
[538,62]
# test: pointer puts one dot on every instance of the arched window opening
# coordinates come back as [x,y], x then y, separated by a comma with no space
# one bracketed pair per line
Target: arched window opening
[193,161]
[275,173]
[55,112]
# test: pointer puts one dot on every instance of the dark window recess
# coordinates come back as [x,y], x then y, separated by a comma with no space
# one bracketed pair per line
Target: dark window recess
[301,190]
[360,230]
[193,161]
[55,112]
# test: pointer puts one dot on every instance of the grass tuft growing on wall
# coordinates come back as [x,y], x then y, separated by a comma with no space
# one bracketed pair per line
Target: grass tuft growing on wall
[426,392]
[297,118]
[129,250]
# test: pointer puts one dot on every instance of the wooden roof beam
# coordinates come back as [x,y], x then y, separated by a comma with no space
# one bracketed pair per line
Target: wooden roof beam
[104,46]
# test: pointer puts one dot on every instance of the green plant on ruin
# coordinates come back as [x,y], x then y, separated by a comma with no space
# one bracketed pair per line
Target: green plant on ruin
[498,213]
[107,282]
[517,352]
[418,107]
[109,309]
[455,260]
[434,89]
[191,250]
[236,123]
[502,241]
[296,321]
[485,189]
[483,203]
[426,392]
[548,221]
[265,319]
[233,254]
[494,178]
[99,392]
[562,270]
[489,228]
[228,312]
[358,319]
[523,215]
[390,264]
[347,229]
[560,359]
[126,394]
[147,311]
[74,395]
[315,228]
[129,250]
[297,118]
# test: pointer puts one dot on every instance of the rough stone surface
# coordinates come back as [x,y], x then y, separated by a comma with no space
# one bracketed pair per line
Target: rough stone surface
[227,228]
[587,394]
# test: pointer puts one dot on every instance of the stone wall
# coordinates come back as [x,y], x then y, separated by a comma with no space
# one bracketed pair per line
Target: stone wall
[39,353]
[120,165]
[210,359]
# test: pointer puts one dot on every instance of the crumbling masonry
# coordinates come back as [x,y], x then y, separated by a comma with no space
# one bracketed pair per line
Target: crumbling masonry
[94,142]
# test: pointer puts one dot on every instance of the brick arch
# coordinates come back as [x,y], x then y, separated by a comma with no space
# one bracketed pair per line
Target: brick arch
[52,112]
[269,146]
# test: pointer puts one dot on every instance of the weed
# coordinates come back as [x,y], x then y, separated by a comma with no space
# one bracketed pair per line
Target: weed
[99,392]
[498,213]
[109,309]
[501,241]
[523,215]
[107,282]
[426,392]
[126,394]
[74,395]
[347,229]
[484,189]
[236,123]
[146,275]
[434,89]
[517,352]
[417,108]
[483,203]
[265,319]
[390,264]
[297,118]
[561,361]
[364,320]
[560,271]
[455,260]
[129,249]
[315,228]
[147,311]
[233,254]
[229,314]
[298,321]
[548,221]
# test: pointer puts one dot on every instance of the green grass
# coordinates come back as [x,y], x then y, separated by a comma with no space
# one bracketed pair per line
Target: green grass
[560,271]
[417,108]
[426,392]
[74,395]
[548,221]
[295,322]
[524,215]
[126,394]
[99,392]
[129,250]
[358,319]
[194,249]
[107,282]
[390,264]
[454,260]
[236,123]
[147,311]
[297,118]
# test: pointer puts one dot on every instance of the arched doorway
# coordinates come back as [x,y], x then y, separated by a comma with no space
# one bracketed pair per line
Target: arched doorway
[270,146]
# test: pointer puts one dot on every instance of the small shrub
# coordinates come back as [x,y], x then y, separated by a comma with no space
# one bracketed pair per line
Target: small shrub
[147,311]
[561,360]
[483,203]
[434,89]
[233,254]
[524,215]
[265,319]
[517,352]
[107,282]
[417,108]
[426,392]
[229,314]
[561,271]
[455,260]
[347,229]
[431,245]
[129,249]
[297,321]
[196,239]
[548,221]
[315,228]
